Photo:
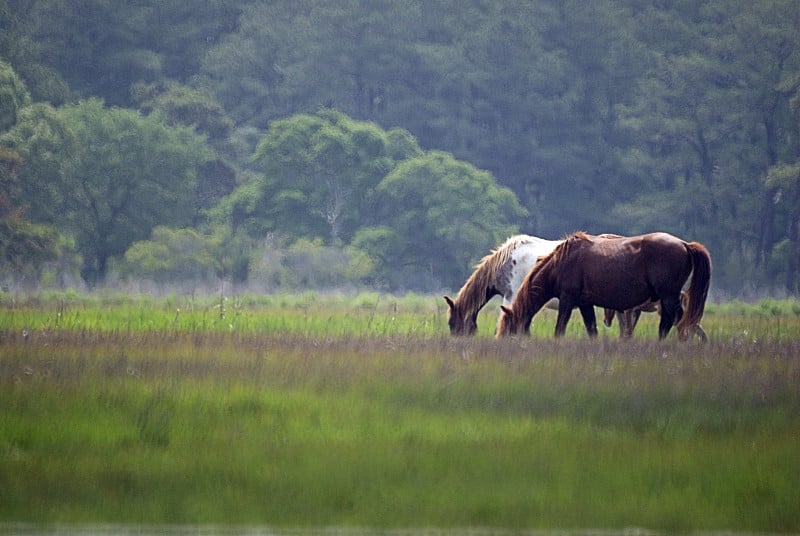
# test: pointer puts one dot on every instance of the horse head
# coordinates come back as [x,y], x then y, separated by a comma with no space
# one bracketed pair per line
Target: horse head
[510,324]
[459,322]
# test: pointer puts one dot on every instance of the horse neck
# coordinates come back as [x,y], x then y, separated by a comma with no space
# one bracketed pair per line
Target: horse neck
[534,293]
[492,277]
[472,297]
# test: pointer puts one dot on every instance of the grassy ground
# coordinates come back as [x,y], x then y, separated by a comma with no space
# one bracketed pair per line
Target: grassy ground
[360,411]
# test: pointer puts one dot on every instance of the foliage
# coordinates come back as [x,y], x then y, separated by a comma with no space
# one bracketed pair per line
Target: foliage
[181,105]
[437,214]
[309,264]
[325,167]
[608,116]
[24,248]
[127,175]
[328,176]
[785,179]
[101,47]
[44,142]
[13,96]
[171,255]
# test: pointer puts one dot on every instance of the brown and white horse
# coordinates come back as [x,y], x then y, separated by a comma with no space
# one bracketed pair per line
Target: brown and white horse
[614,273]
[501,272]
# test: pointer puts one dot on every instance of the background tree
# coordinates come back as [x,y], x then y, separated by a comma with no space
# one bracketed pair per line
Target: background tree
[127,174]
[21,47]
[319,173]
[44,142]
[172,256]
[785,179]
[437,217]
[612,115]
[101,47]
[708,122]
[24,249]
[13,96]
[181,105]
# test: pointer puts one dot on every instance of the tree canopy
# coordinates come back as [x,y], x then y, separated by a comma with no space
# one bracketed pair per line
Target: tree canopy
[609,116]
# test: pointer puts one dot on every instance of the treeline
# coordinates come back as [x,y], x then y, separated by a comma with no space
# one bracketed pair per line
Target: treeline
[387,143]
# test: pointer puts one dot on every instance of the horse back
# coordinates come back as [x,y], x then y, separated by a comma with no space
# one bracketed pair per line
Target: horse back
[621,273]
[668,262]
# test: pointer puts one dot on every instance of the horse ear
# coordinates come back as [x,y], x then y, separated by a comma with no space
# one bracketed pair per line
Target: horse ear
[505,309]
[450,302]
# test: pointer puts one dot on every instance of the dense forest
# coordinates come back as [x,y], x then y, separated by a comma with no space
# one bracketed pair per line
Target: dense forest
[390,143]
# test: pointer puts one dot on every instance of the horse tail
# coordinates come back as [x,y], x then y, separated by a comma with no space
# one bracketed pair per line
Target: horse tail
[698,288]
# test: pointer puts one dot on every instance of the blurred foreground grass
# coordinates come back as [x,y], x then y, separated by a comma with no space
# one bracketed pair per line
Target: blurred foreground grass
[363,412]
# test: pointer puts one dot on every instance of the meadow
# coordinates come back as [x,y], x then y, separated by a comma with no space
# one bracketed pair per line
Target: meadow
[315,410]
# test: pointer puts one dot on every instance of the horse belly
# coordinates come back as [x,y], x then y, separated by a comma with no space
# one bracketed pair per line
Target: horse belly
[614,293]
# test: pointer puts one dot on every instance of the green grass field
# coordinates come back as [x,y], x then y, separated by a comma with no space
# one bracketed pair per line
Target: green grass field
[317,410]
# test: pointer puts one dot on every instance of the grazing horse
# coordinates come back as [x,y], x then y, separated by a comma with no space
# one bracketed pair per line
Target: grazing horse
[614,273]
[500,272]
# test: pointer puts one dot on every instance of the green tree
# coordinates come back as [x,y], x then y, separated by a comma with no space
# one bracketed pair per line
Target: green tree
[295,56]
[101,47]
[21,47]
[766,55]
[437,217]
[241,68]
[181,105]
[9,185]
[587,69]
[44,143]
[171,255]
[25,248]
[784,179]
[13,96]
[708,121]
[185,106]
[127,174]
[318,174]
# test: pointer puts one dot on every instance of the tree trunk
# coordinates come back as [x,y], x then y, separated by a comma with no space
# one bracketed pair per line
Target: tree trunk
[794,248]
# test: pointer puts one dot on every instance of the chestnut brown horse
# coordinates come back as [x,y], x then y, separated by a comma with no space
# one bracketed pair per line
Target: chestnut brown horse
[614,273]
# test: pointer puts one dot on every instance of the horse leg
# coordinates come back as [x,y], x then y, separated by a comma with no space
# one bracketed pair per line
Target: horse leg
[627,320]
[700,332]
[589,319]
[635,314]
[620,316]
[564,312]
[678,313]
[670,307]
[608,317]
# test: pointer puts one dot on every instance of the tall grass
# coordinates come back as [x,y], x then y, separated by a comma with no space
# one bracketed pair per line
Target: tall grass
[338,315]
[308,313]
[118,412]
